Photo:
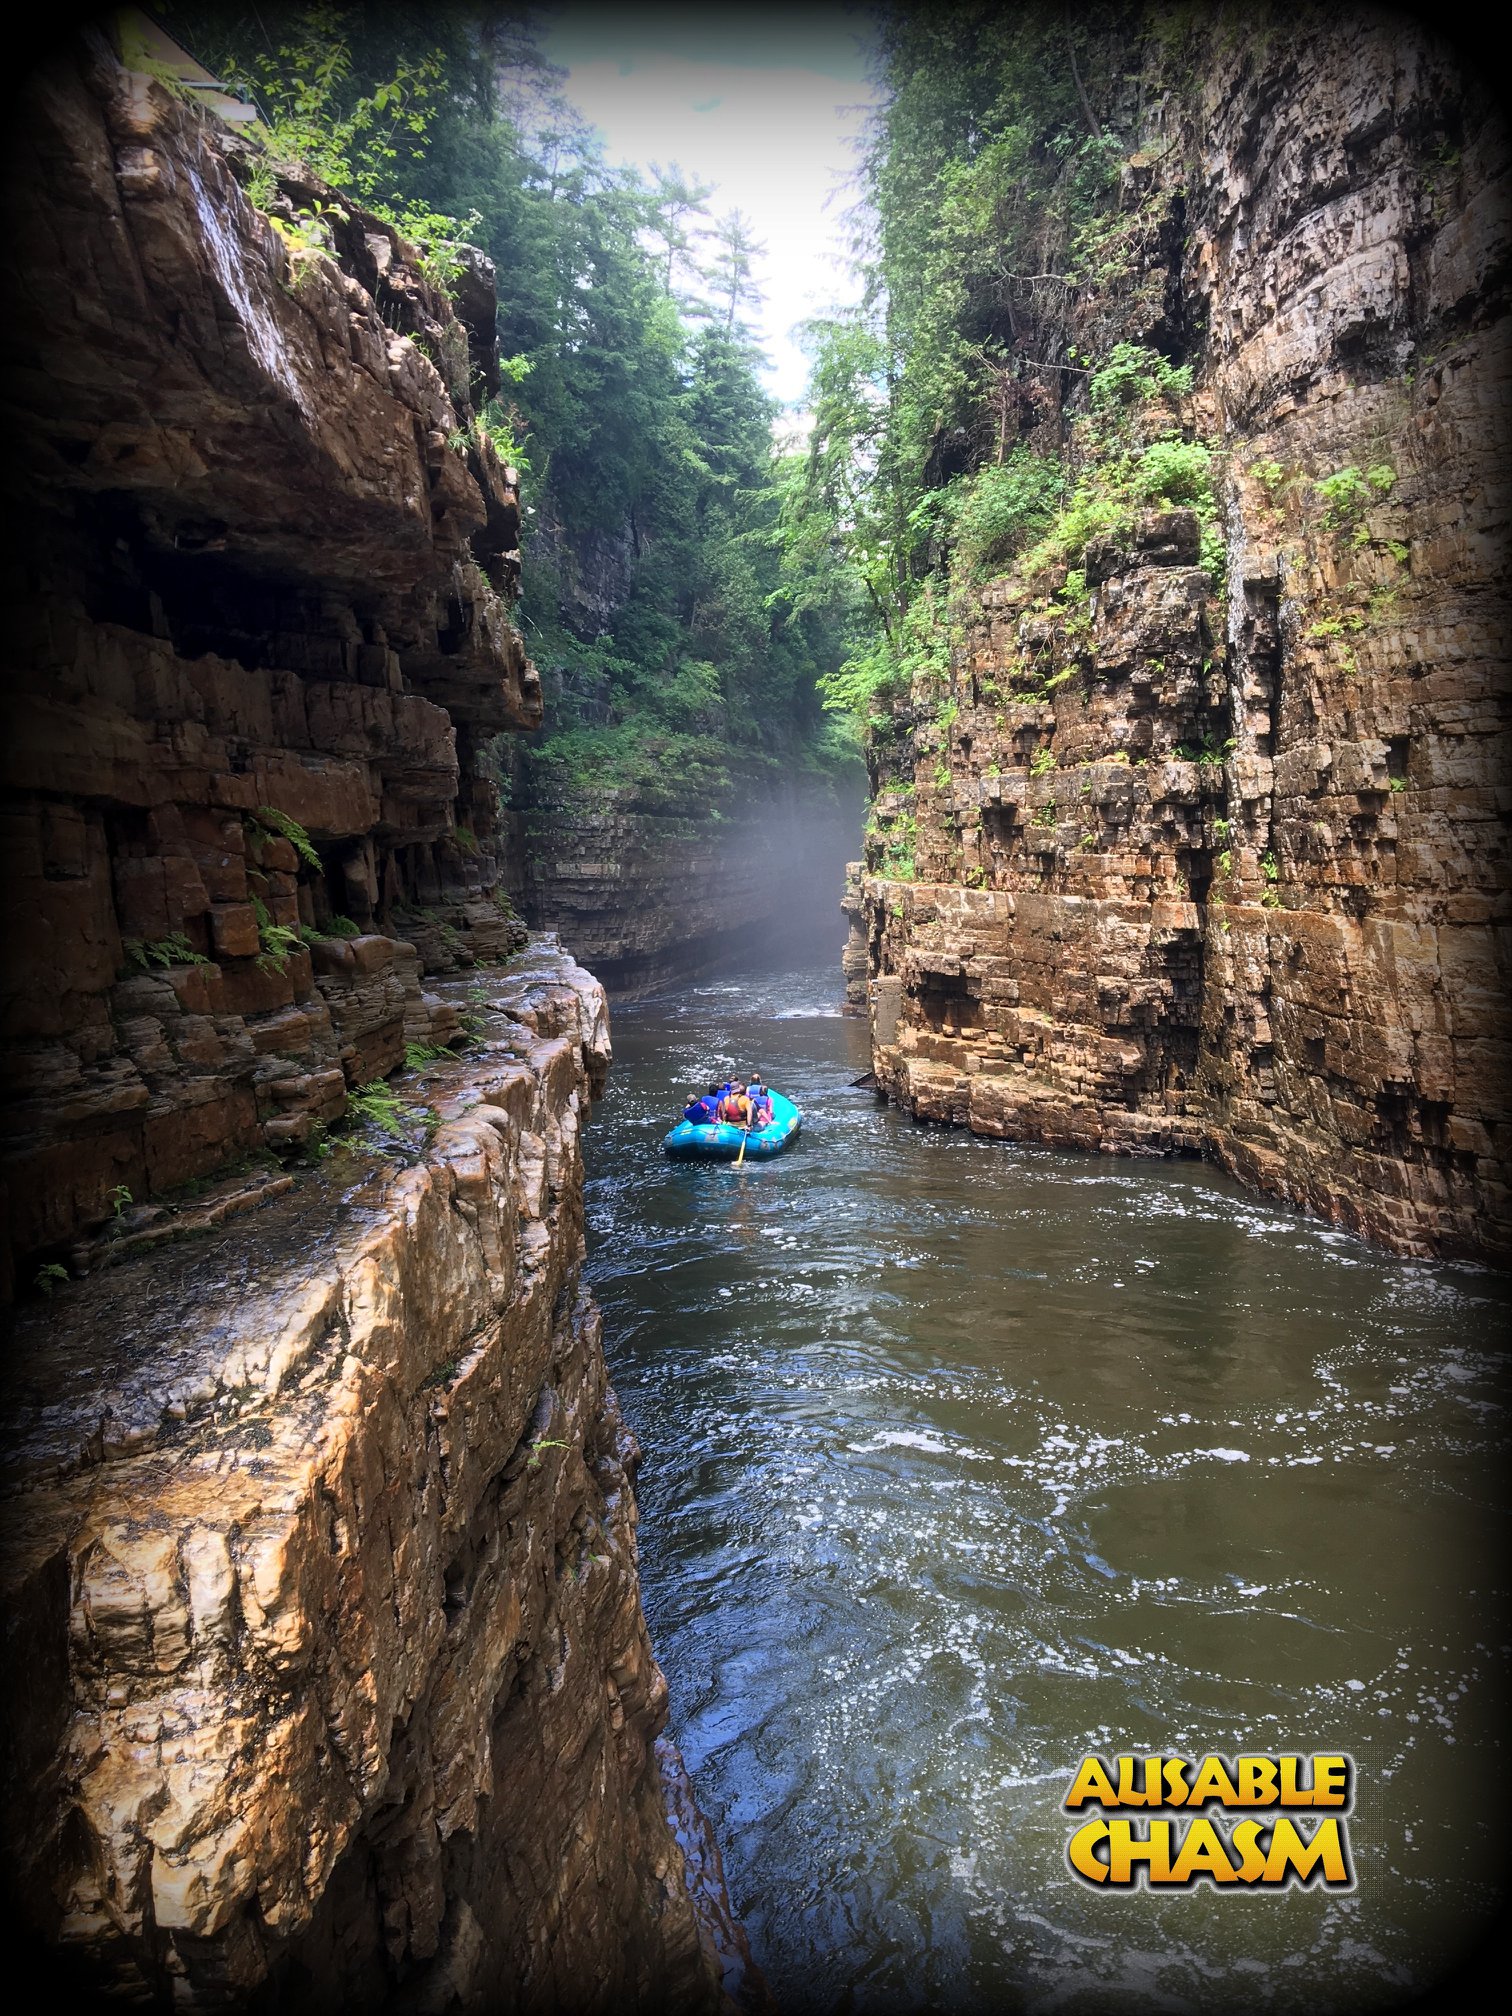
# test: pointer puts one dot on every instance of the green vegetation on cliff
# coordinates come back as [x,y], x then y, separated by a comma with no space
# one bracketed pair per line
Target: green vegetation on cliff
[1012,388]
[679,645]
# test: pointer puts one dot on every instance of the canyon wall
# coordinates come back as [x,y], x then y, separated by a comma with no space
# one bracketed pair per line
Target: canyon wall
[329,1683]
[650,897]
[1221,870]
[326,1677]
[258,632]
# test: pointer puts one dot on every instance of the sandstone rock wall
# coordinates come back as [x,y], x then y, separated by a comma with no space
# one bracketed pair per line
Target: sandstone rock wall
[854,962]
[331,1685]
[1234,882]
[258,572]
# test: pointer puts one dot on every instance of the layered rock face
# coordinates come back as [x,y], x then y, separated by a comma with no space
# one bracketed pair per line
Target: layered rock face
[327,1682]
[650,899]
[331,1683]
[257,596]
[1233,880]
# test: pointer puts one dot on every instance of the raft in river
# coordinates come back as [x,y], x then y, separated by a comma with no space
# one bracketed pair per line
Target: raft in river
[721,1142]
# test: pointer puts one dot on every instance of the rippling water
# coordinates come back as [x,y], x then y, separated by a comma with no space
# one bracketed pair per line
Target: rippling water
[964,1459]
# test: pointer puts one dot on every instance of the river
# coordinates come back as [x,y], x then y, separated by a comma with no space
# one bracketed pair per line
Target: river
[965,1459]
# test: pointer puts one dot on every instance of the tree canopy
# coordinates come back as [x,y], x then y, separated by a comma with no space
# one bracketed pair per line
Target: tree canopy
[679,637]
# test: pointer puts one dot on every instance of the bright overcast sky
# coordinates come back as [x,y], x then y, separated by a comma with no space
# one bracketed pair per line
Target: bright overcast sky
[765,103]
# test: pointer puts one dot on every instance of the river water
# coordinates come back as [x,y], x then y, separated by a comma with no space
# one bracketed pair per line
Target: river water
[965,1459]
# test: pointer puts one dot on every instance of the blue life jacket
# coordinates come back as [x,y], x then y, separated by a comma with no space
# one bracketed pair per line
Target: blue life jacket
[702,1112]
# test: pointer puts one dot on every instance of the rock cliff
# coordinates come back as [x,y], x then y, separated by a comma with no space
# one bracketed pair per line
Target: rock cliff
[258,598]
[331,1681]
[327,1681]
[1221,870]
[649,897]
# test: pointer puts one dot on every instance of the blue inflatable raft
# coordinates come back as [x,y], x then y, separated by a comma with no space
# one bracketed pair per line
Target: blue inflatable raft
[721,1143]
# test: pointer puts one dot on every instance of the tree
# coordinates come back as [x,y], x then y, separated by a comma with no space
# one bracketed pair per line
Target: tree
[673,200]
[730,275]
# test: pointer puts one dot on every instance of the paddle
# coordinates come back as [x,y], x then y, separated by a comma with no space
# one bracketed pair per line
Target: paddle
[746,1135]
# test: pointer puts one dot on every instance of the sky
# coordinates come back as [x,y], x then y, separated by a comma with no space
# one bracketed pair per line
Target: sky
[767,103]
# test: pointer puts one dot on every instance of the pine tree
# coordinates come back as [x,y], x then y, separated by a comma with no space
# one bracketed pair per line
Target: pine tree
[731,273]
[674,200]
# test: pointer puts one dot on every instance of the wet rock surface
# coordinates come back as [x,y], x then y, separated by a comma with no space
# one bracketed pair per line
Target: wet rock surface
[1234,883]
[332,1682]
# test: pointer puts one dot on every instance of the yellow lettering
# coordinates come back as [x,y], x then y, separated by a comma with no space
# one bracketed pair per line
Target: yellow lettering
[1212,1782]
[1091,1782]
[1084,1842]
[1257,1781]
[1176,1785]
[1203,1853]
[1293,1793]
[1251,1855]
[1289,1852]
[1330,1781]
[1132,1792]
[1125,1848]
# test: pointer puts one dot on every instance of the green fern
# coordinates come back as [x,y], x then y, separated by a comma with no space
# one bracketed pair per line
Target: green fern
[174,950]
[418,1055]
[291,830]
[278,941]
[377,1104]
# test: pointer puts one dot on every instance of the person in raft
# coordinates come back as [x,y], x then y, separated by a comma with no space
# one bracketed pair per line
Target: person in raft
[704,1112]
[736,1108]
[737,1103]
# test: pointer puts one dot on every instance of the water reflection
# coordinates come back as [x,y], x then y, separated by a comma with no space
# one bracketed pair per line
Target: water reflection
[964,1459]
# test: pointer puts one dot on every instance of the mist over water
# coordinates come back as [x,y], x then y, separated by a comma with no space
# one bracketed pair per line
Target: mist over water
[963,1459]
[808,929]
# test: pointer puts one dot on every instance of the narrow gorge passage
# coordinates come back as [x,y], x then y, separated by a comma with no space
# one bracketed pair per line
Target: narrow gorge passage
[964,1459]
[521,509]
